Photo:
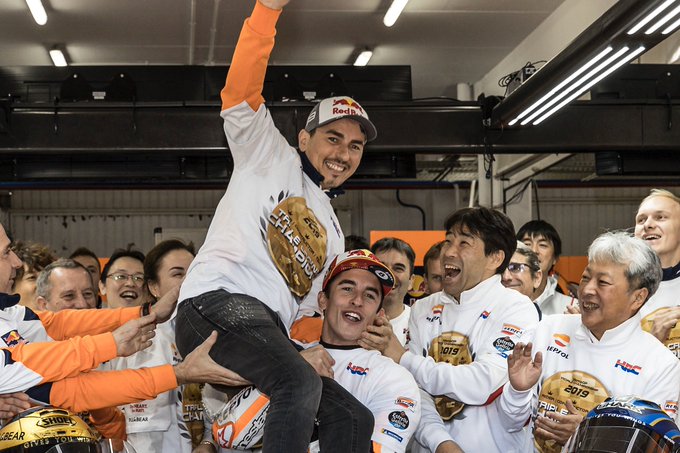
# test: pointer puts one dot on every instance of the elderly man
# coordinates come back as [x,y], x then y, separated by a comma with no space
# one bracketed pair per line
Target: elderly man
[56,372]
[272,235]
[460,337]
[657,222]
[65,284]
[580,360]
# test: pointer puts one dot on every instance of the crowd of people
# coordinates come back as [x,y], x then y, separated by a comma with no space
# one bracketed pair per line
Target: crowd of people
[280,336]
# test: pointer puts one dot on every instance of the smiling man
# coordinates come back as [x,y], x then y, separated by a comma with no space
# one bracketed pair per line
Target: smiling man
[460,337]
[268,244]
[65,284]
[658,223]
[580,360]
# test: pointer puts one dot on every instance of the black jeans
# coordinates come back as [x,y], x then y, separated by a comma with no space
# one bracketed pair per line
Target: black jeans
[253,343]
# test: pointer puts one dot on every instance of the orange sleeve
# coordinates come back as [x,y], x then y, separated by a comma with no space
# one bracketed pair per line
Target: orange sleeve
[377,448]
[251,55]
[110,422]
[62,359]
[307,329]
[71,323]
[99,389]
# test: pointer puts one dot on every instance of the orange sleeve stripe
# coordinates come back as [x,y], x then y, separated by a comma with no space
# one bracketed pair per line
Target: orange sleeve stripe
[70,323]
[377,448]
[307,330]
[251,55]
[99,389]
[62,359]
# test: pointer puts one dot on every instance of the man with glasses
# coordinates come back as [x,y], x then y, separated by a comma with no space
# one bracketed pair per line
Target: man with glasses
[461,337]
[123,279]
[524,273]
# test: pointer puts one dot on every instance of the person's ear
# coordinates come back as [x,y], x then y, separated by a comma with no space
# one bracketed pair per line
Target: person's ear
[154,289]
[41,303]
[640,298]
[303,140]
[102,288]
[322,300]
[496,260]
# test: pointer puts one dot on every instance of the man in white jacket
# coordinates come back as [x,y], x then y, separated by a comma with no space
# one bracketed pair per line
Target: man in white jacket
[460,337]
[580,360]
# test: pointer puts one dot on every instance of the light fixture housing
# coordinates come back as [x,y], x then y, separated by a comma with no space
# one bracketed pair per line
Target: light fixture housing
[393,12]
[58,57]
[619,36]
[37,11]
[363,58]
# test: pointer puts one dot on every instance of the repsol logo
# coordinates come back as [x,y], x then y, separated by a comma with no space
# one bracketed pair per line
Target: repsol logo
[558,351]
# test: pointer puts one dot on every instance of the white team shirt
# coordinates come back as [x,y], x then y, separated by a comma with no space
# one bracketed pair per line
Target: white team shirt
[481,328]
[400,325]
[552,302]
[625,361]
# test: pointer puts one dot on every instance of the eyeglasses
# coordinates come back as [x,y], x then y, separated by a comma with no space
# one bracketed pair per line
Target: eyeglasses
[516,268]
[137,279]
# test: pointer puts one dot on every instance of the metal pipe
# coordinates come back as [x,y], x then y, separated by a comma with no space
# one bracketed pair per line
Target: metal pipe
[213,33]
[192,32]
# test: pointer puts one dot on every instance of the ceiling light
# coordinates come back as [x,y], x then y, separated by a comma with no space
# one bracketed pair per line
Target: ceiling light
[394,11]
[363,58]
[58,57]
[38,11]
[607,44]
[650,16]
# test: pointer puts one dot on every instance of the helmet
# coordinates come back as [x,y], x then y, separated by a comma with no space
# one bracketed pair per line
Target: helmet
[626,424]
[48,429]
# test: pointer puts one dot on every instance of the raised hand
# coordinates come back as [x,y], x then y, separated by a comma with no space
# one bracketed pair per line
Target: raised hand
[134,335]
[556,426]
[522,371]
[664,322]
[13,403]
[165,305]
[320,360]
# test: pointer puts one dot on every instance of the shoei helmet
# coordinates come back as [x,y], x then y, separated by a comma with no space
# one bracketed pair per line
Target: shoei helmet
[48,430]
[626,424]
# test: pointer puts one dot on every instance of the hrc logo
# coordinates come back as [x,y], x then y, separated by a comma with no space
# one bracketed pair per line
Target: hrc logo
[627,367]
[12,338]
[561,340]
[485,314]
[358,370]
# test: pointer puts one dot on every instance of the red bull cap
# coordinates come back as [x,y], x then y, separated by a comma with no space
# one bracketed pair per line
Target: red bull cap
[361,259]
[339,107]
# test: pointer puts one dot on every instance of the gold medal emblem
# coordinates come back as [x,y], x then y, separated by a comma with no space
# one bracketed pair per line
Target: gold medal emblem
[584,391]
[673,340]
[297,243]
[453,348]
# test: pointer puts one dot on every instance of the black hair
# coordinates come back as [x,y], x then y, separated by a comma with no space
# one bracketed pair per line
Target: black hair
[537,228]
[121,253]
[354,242]
[387,244]
[433,254]
[153,259]
[493,227]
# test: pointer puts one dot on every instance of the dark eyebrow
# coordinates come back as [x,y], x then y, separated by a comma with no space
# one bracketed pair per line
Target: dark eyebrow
[341,135]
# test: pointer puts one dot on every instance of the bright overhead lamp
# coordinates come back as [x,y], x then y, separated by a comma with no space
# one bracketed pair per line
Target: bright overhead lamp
[58,57]
[394,11]
[38,11]
[609,43]
[363,58]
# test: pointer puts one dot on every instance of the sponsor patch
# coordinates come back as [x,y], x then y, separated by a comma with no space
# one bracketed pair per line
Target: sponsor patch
[395,436]
[398,419]
[357,370]
[485,314]
[561,340]
[671,407]
[503,345]
[12,338]
[436,313]
[406,403]
[627,367]
[509,329]
[558,351]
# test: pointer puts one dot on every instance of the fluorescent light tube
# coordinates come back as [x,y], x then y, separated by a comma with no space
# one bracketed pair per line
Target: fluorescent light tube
[578,72]
[649,17]
[38,11]
[58,58]
[663,20]
[394,11]
[671,27]
[623,61]
[575,85]
[363,58]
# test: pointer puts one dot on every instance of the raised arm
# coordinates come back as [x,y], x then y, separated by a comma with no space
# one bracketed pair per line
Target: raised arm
[66,324]
[251,55]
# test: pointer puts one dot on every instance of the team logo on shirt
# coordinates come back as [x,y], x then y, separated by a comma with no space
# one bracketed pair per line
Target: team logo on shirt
[405,402]
[627,367]
[12,338]
[436,313]
[561,340]
[395,436]
[357,370]
[398,419]
[504,345]
[485,314]
[671,408]
[509,329]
